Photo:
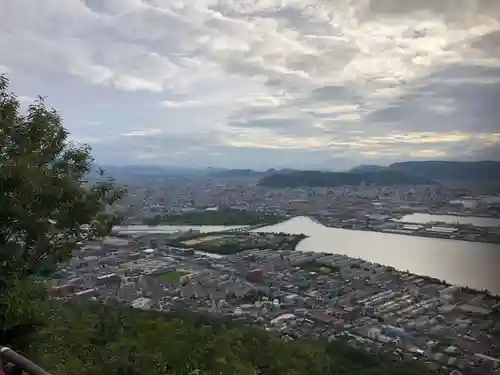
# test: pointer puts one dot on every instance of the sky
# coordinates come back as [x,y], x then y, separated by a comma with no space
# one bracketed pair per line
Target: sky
[324,84]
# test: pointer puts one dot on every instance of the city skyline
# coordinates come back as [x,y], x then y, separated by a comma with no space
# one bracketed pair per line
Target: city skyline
[260,84]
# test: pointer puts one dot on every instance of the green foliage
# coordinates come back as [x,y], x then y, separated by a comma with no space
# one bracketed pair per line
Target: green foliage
[331,179]
[234,244]
[46,200]
[451,170]
[23,308]
[172,276]
[91,338]
[221,217]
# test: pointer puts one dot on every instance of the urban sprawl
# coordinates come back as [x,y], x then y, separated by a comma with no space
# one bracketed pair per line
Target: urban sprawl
[263,280]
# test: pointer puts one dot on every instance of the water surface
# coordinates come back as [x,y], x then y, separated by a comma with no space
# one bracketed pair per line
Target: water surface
[472,264]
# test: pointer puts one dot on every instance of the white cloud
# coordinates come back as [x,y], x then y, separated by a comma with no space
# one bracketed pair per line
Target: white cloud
[142,133]
[306,77]
[25,100]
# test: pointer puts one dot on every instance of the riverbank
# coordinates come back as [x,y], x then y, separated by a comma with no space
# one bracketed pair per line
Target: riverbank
[446,236]
[217,217]
[457,262]
[441,230]
[375,307]
[226,243]
[448,212]
[451,218]
[465,263]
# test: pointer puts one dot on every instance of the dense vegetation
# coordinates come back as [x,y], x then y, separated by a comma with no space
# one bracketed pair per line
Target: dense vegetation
[451,170]
[442,170]
[364,168]
[332,179]
[221,217]
[233,247]
[239,174]
[83,339]
[45,201]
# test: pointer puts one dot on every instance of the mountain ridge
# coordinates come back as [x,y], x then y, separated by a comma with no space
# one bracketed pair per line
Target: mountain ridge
[486,170]
[436,170]
[334,179]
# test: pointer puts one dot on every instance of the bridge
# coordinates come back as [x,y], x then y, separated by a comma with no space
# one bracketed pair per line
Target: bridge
[244,229]
[12,363]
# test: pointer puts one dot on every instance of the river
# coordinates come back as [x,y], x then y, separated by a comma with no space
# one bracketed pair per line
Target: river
[472,264]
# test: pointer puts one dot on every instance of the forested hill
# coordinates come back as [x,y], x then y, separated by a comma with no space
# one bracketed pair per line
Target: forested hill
[332,179]
[364,168]
[247,174]
[402,173]
[92,338]
[451,170]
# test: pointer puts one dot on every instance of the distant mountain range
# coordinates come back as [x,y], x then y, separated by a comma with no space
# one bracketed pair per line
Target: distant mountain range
[403,173]
[332,179]
[365,168]
[247,174]
[145,173]
[442,170]
[451,170]
[158,171]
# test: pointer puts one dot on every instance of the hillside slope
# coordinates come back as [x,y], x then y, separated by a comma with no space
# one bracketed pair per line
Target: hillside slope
[92,338]
[332,179]
[451,170]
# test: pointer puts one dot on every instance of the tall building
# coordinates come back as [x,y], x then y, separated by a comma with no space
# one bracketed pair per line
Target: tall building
[255,276]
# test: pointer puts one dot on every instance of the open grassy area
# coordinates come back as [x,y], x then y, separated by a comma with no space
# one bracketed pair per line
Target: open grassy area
[172,276]
[199,240]
[234,239]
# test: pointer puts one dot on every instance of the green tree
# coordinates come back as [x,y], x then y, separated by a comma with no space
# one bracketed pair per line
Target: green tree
[47,206]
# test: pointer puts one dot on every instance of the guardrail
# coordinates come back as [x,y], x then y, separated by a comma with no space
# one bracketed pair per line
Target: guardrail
[12,363]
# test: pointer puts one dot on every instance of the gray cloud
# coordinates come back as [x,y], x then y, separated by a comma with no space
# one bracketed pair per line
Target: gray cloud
[311,83]
[462,98]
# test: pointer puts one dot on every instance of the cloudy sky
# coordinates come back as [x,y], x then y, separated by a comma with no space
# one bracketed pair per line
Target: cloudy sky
[263,83]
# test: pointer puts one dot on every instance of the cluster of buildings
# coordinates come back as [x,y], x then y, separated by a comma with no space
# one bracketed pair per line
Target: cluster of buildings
[353,207]
[297,294]
[177,196]
[434,229]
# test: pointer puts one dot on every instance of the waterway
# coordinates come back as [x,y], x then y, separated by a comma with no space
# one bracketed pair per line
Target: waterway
[419,218]
[472,264]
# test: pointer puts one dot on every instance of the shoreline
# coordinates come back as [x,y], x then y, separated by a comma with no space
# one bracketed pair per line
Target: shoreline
[299,238]
[450,213]
[465,237]
[416,234]
[387,268]
[428,279]
[399,267]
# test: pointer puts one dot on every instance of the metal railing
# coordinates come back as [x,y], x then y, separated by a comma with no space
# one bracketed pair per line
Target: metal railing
[12,363]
